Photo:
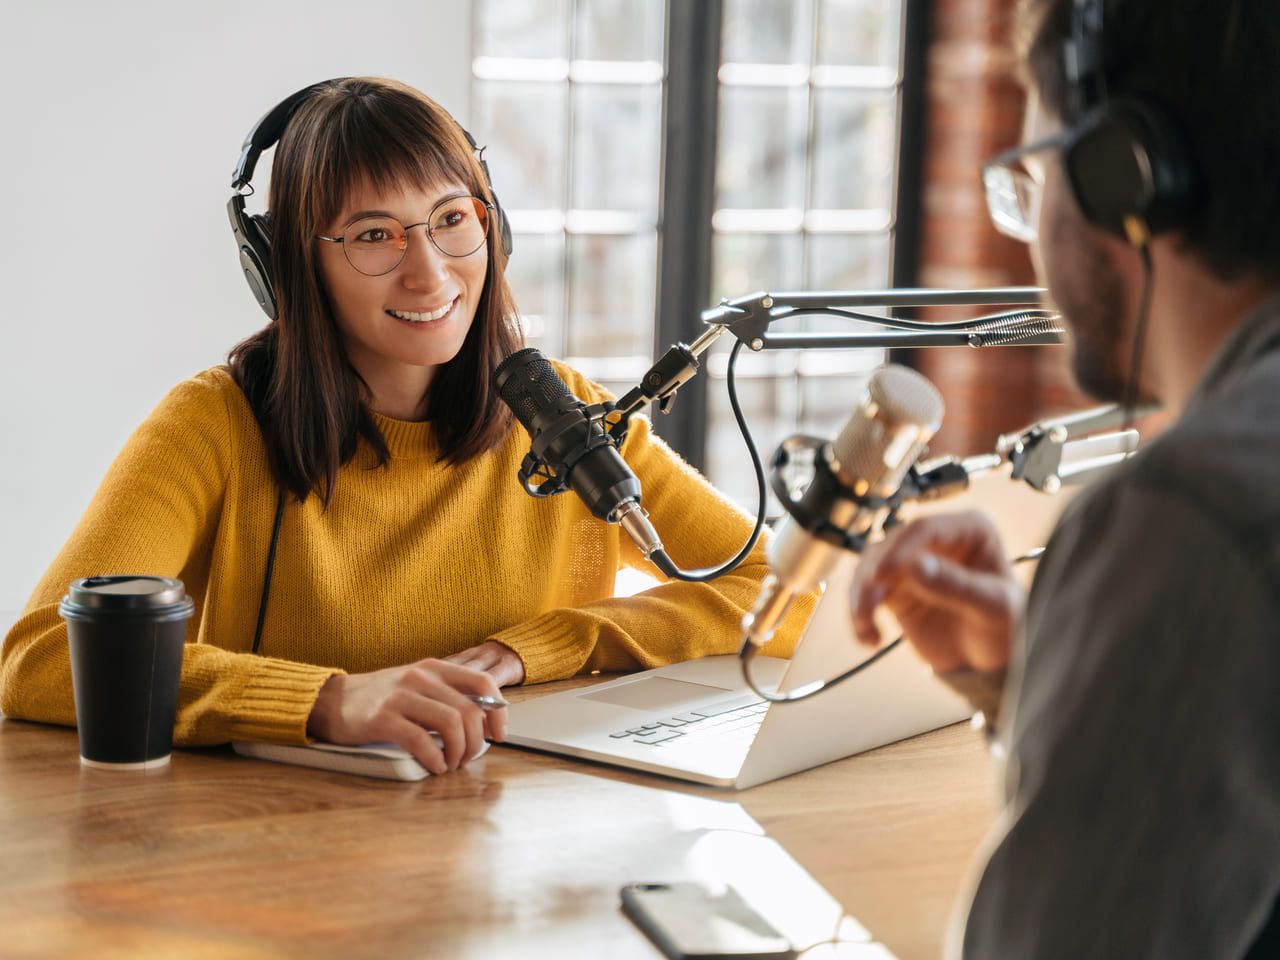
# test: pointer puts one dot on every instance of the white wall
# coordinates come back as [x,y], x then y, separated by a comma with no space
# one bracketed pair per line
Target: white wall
[121,123]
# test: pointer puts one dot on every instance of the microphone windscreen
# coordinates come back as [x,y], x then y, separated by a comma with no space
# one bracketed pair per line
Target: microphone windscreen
[529,384]
[884,435]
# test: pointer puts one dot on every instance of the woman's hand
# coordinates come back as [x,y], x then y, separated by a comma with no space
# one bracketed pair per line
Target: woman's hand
[497,660]
[945,578]
[403,704]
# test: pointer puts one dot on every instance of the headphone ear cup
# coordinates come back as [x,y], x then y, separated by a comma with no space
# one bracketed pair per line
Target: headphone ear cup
[255,260]
[504,226]
[1129,160]
[1170,160]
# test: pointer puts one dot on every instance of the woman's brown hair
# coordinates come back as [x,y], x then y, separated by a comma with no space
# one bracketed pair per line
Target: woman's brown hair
[309,400]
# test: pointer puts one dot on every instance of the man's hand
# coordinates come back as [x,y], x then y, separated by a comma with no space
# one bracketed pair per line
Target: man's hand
[403,704]
[947,581]
[497,660]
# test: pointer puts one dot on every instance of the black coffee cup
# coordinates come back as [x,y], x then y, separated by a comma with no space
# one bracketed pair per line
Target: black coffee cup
[126,635]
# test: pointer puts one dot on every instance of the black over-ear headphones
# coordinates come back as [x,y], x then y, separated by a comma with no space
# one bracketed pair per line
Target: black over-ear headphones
[1129,165]
[253,231]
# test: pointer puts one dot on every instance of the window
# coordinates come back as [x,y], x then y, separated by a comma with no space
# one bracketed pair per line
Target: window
[567,94]
[805,191]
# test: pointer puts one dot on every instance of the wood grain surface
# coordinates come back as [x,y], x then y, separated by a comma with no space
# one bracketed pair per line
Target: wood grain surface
[519,855]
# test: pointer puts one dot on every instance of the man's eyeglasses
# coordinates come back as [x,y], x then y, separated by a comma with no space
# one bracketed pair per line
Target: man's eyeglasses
[375,245]
[1013,194]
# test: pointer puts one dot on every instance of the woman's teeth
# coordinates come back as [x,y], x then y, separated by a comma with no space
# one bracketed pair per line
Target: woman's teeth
[422,317]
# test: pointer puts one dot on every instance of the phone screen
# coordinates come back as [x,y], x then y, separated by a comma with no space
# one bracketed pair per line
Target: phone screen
[693,921]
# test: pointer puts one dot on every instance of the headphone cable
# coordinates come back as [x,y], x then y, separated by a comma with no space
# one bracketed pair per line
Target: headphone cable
[1131,386]
[271,564]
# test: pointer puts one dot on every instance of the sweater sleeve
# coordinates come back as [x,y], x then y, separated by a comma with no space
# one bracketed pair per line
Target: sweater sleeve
[676,620]
[156,512]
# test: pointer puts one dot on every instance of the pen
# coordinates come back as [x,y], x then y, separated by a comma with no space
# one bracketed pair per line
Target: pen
[487,703]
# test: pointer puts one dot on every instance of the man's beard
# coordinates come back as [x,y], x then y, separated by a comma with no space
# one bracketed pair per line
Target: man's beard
[1088,289]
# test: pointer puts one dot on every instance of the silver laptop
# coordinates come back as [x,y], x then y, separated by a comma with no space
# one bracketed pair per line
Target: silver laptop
[699,721]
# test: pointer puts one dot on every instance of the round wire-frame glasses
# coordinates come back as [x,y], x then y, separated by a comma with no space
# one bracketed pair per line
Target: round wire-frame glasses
[375,244]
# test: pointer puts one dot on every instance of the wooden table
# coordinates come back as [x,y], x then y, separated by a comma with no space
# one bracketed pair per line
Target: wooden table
[518,855]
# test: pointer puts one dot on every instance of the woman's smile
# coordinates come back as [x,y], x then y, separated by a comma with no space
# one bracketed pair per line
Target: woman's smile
[418,317]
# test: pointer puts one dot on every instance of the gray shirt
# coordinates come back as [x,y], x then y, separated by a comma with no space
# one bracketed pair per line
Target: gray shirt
[1142,722]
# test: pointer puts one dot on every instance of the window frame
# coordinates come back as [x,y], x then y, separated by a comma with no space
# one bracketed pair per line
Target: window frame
[690,127]
[687,171]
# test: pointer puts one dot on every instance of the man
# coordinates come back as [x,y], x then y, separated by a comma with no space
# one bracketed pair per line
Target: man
[1141,717]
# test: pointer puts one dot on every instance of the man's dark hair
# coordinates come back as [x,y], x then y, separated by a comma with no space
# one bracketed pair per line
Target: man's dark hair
[1215,66]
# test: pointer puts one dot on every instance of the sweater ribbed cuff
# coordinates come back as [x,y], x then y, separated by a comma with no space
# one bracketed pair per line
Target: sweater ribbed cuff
[277,700]
[547,647]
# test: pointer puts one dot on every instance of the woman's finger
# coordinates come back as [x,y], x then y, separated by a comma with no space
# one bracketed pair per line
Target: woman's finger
[495,722]
[470,657]
[415,738]
[469,715]
[463,677]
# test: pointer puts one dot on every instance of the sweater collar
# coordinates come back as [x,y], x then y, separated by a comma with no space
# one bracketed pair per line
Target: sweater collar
[407,439]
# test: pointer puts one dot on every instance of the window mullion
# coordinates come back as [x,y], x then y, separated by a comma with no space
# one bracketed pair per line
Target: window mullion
[690,104]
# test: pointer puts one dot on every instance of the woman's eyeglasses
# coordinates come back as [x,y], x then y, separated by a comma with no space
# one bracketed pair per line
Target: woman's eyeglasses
[1013,193]
[457,227]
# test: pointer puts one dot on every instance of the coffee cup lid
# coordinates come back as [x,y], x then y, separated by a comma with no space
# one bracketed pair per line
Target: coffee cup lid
[138,594]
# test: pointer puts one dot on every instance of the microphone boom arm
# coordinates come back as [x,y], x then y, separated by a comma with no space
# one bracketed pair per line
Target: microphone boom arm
[748,318]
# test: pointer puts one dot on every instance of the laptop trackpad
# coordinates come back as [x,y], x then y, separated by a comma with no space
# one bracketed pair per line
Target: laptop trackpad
[655,693]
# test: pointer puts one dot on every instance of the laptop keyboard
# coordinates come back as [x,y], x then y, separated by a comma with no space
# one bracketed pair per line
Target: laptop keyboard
[728,720]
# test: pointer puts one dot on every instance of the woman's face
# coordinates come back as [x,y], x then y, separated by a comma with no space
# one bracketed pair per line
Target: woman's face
[399,327]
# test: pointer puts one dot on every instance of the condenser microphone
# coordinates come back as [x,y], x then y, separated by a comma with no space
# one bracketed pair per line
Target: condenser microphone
[847,501]
[570,448]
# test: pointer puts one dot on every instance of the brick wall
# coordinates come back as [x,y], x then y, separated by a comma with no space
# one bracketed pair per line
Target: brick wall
[974,110]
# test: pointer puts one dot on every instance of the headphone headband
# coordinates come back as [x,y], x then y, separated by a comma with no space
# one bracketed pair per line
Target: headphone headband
[267,131]
[1084,57]
[1128,163]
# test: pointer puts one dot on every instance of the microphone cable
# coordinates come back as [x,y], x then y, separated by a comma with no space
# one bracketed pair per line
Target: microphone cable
[979,325]
[803,692]
[660,559]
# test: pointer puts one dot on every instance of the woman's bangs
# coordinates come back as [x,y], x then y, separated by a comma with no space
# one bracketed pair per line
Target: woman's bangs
[386,157]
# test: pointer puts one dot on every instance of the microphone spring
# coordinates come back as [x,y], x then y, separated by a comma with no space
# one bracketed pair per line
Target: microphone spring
[1029,326]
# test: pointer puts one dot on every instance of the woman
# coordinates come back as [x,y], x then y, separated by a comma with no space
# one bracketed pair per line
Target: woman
[411,570]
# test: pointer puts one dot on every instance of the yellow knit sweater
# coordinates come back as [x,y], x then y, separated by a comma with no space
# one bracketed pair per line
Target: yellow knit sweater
[418,559]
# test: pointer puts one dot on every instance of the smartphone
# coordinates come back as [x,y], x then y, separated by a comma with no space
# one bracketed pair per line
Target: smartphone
[696,921]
